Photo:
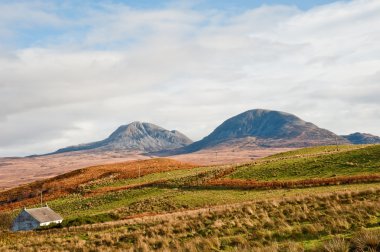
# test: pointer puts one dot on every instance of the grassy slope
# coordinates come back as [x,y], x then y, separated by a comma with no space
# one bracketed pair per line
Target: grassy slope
[283,224]
[315,151]
[305,163]
[103,184]
[156,200]
[83,203]
[76,181]
[352,162]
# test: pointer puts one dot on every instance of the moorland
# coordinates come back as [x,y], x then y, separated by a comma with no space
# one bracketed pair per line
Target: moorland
[322,198]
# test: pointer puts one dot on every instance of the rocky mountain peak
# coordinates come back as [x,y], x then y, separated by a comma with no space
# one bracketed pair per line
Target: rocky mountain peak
[138,136]
[267,128]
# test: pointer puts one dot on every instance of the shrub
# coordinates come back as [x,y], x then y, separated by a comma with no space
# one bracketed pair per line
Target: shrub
[290,246]
[90,219]
[6,220]
[366,240]
[82,220]
[336,245]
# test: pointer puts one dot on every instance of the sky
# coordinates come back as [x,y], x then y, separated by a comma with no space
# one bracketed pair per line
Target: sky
[71,72]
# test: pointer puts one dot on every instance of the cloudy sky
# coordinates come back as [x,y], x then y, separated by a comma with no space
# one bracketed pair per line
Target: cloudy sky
[73,71]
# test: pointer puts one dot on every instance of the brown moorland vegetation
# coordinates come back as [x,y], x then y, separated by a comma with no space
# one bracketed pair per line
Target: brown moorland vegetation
[22,170]
[70,182]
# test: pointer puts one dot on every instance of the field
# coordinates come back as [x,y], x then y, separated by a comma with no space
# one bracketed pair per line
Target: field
[19,171]
[304,166]
[78,180]
[264,205]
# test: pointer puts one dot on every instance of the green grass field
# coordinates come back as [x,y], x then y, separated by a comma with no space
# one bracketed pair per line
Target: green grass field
[350,162]
[158,200]
[307,222]
[317,150]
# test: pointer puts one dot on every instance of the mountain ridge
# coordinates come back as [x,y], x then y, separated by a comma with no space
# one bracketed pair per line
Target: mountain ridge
[362,138]
[252,129]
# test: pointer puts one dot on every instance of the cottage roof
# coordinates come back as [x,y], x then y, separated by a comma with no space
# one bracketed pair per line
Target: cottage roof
[44,214]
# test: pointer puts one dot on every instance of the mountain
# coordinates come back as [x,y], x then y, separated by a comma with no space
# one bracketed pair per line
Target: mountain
[265,128]
[136,136]
[362,138]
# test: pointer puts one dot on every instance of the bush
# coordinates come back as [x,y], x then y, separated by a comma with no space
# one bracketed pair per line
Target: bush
[90,219]
[81,220]
[336,245]
[6,220]
[366,240]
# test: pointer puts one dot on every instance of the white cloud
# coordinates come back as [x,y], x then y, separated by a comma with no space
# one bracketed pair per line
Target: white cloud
[184,69]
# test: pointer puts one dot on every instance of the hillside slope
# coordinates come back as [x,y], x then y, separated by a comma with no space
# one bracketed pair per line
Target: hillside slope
[296,166]
[71,182]
[173,201]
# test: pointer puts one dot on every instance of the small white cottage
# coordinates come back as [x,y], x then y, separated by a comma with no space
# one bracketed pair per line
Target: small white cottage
[33,218]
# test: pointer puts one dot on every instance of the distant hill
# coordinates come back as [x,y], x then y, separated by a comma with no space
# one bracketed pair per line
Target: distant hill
[253,129]
[266,128]
[362,138]
[136,136]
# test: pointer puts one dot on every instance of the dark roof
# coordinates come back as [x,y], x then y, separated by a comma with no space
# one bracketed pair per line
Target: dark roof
[43,214]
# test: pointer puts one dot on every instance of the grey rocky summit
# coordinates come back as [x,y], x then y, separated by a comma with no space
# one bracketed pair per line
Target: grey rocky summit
[136,136]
